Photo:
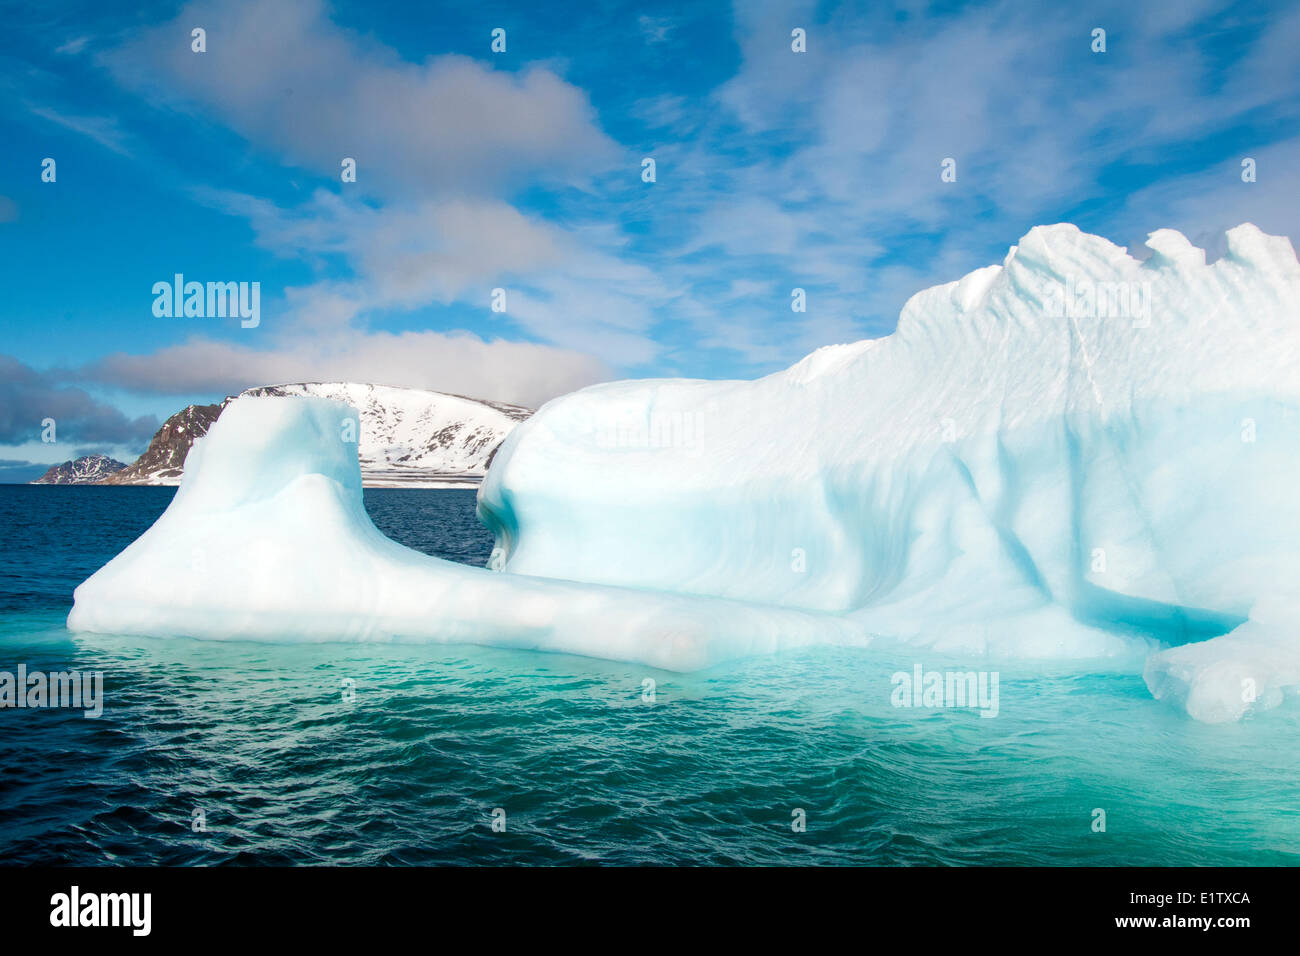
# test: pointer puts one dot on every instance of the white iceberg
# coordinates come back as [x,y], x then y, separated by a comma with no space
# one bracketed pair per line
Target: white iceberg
[1073,454]
[268,539]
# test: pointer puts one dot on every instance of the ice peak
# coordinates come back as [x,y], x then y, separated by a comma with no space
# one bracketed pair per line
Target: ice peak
[1171,247]
[1251,246]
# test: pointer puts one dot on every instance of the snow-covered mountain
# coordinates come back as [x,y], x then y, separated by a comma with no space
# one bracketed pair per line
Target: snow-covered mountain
[415,438]
[408,437]
[87,470]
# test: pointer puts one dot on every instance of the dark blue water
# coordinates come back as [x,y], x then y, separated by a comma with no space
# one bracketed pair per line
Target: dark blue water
[371,754]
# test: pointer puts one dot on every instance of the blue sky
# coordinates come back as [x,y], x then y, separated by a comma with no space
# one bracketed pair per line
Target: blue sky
[522,170]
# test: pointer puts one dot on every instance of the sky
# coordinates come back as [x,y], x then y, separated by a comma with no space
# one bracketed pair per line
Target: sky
[524,170]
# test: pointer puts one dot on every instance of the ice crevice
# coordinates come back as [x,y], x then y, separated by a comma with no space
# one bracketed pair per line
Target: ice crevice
[1011,474]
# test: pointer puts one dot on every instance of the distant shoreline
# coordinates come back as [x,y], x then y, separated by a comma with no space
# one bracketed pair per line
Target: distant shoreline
[437,484]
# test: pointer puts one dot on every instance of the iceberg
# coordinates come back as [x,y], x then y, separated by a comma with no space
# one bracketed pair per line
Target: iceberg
[1073,454]
[268,538]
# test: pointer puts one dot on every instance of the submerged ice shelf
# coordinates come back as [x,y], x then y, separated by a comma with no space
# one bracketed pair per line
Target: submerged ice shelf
[1073,454]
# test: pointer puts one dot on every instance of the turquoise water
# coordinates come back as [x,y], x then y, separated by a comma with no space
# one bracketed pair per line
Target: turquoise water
[262,739]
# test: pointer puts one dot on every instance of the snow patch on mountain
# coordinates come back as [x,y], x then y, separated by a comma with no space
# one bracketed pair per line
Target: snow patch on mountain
[87,470]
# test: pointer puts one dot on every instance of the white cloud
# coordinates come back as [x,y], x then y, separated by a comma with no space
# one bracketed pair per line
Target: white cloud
[518,372]
[569,287]
[654,29]
[73,46]
[439,147]
[280,73]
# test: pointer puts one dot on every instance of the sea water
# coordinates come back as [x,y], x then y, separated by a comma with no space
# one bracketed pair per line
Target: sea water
[234,752]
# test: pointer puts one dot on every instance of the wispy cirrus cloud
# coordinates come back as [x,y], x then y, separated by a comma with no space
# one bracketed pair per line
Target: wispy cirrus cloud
[655,29]
[822,169]
[73,47]
[104,130]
